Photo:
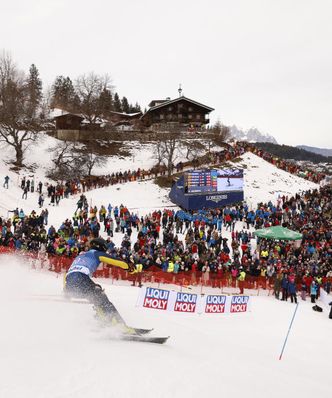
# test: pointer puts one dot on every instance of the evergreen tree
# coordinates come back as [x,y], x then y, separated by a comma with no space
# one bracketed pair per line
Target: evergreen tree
[136,108]
[117,103]
[125,105]
[63,94]
[34,87]
[106,102]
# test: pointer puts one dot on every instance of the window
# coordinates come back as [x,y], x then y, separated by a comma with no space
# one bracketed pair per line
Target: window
[161,116]
[170,108]
[190,109]
[180,116]
[198,117]
[190,116]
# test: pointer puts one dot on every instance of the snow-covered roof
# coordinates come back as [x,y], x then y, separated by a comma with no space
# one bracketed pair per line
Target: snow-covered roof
[56,112]
[167,103]
[127,114]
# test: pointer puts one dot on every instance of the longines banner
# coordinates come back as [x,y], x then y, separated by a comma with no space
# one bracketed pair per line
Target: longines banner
[166,300]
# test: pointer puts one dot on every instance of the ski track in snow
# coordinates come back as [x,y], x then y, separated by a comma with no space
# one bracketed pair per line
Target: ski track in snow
[54,349]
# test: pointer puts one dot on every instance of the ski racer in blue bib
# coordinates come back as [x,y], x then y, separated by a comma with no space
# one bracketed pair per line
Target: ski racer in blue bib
[78,282]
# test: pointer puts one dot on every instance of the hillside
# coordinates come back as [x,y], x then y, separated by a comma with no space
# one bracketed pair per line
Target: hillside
[320,151]
[262,182]
[56,348]
[295,153]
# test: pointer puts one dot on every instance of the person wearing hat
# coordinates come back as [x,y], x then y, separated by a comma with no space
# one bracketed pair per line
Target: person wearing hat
[78,282]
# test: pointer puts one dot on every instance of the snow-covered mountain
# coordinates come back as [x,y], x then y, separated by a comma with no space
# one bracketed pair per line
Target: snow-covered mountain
[319,151]
[251,135]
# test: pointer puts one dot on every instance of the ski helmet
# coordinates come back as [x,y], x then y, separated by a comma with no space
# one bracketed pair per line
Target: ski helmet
[98,244]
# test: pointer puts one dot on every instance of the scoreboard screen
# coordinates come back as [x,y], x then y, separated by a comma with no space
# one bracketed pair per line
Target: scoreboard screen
[215,180]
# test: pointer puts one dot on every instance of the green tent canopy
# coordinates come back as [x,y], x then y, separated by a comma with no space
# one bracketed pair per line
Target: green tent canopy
[278,233]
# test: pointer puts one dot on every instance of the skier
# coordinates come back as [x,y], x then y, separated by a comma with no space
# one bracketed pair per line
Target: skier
[78,282]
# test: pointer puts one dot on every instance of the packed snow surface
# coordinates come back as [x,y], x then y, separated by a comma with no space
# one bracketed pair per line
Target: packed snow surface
[52,349]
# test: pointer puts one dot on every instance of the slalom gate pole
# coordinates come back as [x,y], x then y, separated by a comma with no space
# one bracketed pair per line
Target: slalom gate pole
[290,326]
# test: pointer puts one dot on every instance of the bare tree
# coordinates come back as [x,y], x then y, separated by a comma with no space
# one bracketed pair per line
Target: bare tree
[89,89]
[168,145]
[192,148]
[71,160]
[92,159]
[19,124]
[217,135]
[67,161]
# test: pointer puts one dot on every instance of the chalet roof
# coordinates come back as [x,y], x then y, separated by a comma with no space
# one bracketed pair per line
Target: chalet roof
[67,114]
[127,114]
[154,102]
[169,102]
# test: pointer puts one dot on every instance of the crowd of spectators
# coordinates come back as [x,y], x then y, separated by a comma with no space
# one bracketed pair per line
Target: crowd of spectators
[209,245]
[56,192]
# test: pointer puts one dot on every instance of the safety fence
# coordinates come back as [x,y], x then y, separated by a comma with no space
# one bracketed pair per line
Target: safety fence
[61,264]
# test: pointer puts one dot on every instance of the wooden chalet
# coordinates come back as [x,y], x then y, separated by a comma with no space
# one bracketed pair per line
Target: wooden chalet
[125,121]
[182,111]
[71,126]
[68,121]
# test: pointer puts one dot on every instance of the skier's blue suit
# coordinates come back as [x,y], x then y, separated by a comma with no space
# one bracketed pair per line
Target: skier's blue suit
[78,281]
[88,262]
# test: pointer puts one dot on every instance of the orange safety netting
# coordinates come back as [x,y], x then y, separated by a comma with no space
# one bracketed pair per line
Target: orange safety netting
[60,264]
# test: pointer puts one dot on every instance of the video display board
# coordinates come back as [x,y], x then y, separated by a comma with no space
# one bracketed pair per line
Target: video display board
[215,180]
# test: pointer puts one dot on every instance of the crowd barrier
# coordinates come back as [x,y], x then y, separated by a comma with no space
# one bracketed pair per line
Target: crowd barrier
[225,281]
[61,264]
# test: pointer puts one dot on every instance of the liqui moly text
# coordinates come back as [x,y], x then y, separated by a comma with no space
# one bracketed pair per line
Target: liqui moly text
[239,303]
[215,304]
[185,302]
[156,299]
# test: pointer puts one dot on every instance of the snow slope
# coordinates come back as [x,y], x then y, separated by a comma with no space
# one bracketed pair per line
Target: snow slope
[54,349]
[262,182]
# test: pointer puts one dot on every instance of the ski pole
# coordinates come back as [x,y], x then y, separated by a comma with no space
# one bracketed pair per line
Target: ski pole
[283,347]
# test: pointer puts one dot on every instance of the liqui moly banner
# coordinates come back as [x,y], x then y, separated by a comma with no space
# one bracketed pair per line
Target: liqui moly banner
[185,302]
[156,299]
[160,299]
[239,304]
[213,304]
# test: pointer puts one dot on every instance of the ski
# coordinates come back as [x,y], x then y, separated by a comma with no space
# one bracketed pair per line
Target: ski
[145,339]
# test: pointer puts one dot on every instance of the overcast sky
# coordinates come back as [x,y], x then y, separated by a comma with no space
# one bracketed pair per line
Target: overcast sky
[262,63]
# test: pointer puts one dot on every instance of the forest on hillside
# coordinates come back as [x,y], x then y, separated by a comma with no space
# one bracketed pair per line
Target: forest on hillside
[290,152]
